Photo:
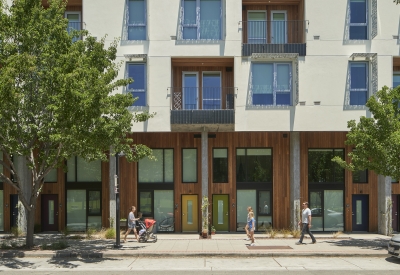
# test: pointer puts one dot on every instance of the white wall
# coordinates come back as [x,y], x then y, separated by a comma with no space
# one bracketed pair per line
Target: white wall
[322,73]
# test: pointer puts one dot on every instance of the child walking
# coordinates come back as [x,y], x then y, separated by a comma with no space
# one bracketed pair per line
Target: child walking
[252,226]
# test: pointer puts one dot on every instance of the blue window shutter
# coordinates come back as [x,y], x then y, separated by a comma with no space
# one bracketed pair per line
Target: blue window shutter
[138,87]
[137,20]
[358,83]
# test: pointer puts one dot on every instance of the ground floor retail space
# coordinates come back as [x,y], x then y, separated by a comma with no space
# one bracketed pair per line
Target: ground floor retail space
[272,172]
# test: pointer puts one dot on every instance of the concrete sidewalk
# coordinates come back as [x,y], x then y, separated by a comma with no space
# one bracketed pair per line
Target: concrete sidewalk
[220,245]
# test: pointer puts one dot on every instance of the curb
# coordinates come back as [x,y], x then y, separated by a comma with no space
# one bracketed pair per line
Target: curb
[100,255]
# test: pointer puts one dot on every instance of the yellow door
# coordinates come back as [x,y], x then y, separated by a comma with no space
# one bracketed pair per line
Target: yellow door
[189,213]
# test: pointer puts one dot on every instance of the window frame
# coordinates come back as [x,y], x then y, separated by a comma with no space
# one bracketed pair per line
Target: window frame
[132,91]
[197,164]
[133,25]
[163,168]
[88,184]
[367,89]
[275,90]
[198,21]
[360,24]
[272,24]
[395,73]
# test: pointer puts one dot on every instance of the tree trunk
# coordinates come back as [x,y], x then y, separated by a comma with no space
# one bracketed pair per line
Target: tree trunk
[30,226]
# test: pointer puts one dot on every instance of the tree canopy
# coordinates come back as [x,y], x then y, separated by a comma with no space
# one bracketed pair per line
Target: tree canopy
[58,96]
[376,139]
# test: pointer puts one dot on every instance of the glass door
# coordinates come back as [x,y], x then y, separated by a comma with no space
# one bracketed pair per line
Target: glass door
[189,213]
[257,27]
[278,27]
[190,91]
[211,91]
[74,22]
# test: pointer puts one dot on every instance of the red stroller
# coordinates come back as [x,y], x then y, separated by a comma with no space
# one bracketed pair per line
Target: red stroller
[146,230]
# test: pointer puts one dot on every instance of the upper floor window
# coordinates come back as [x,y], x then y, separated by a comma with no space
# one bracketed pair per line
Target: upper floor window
[220,165]
[358,20]
[271,84]
[359,88]
[321,168]
[137,71]
[159,171]
[51,176]
[201,19]
[254,165]
[136,20]
[74,22]
[79,170]
[396,79]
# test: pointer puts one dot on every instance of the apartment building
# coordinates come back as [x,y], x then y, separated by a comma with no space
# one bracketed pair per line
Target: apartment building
[252,100]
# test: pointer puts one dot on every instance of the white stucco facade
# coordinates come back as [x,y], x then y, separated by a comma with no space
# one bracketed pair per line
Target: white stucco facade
[322,72]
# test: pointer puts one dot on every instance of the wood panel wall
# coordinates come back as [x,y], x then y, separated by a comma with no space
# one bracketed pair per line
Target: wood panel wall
[177,141]
[311,140]
[396,64]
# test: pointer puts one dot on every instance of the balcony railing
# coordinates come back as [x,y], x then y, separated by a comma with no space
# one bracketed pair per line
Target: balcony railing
[274,37]
[202,98]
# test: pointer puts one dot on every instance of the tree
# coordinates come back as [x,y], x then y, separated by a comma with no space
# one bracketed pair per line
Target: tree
[57,98]
[396,1]
[376,139]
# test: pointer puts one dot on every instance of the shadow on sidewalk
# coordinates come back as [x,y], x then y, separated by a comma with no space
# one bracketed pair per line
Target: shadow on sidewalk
[72,262]
[15,263]
[361,243]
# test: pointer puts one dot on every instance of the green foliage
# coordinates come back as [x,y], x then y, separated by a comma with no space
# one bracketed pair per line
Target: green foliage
[16,231]
[65,232]
[55,246]
[89,233]
[377,138]
[58,97]
[110,233]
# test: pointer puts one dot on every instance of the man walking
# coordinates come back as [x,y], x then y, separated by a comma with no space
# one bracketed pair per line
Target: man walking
[306,223]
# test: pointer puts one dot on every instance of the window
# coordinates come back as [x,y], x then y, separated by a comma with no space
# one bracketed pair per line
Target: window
[396,79]
[159,171]
[360,176]
[327,210]
[254,165]
[136,20]
[271,84]
[358,20]
[358,83]
[83,209]
[201,19]
[137,72]
[321,168]
[74,22]
[189,165]
[51,176]
[80,170]
[257,27]
[220,165]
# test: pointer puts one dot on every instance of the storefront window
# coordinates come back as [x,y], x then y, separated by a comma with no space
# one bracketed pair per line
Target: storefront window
[80,170]
[327,210]
[189,165]
[254,165]
[164,210]
[159,171]
[76,210]
[321,168]
[220,165]
[245,198]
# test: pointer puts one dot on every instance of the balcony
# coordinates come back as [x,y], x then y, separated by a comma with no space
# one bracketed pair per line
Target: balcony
[193,108]
[274,37]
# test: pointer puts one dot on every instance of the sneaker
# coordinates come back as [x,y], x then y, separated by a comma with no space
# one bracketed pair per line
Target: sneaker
[248,239]
[252,244]
[298,243]
[314,242]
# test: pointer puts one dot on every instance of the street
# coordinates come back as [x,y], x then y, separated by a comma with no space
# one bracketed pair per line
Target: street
[203,265]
